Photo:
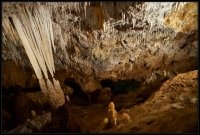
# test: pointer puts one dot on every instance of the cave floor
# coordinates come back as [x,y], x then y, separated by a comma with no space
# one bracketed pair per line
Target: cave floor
[168,109]
[169,118]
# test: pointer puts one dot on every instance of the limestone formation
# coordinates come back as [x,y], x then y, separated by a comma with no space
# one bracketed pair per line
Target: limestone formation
[35,34]
[132,41]
[112,115]
[46,43]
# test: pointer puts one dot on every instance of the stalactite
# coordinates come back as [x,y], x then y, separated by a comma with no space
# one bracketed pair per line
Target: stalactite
[69,37]
[51,31]
[35,33]
[35,47]
[79,22]
[123,18]
[62,44]
[43,86]
[69,7]
[164,34]
[85,8]
[143,33]
[56,85]
[27,47]
[4,38]
[177,6]
[9,29]
[133,22]
[50,86]
[167,34]
[104,26]
[108,25]
[76,7]
[156,31]
[43,41]
[123,36]
[47,36]
[140,40]
[151,26]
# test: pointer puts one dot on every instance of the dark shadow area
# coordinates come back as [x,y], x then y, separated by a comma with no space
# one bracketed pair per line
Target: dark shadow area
[75,86]
[10,90]
[121,86]
[78,97]
[16,107]
[16,89]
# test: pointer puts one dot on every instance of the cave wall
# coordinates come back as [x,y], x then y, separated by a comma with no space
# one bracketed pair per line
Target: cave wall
[114,40]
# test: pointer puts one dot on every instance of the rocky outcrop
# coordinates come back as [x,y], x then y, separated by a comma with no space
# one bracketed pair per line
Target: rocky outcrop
[33,126]
[114,40]
[183,19]
[164,106]
[175,102]
[118,52]
[14,75]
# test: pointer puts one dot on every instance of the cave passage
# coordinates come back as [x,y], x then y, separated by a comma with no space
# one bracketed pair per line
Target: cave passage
[75,86]
[121,86]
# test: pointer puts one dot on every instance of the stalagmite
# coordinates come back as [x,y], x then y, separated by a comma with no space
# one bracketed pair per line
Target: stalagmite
[112,115]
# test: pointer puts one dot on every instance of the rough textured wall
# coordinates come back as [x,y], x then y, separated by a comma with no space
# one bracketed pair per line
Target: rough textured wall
[116,40]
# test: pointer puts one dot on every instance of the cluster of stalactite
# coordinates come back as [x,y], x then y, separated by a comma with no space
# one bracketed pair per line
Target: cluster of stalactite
[34,31]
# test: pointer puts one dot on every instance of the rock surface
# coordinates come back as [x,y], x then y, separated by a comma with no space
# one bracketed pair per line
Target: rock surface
[154,115]
[174,102]
[142,56]
[134,41]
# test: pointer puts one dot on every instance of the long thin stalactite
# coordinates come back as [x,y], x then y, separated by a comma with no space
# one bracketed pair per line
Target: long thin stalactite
[34,29]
